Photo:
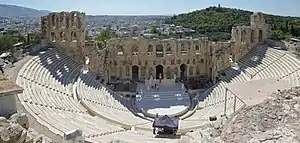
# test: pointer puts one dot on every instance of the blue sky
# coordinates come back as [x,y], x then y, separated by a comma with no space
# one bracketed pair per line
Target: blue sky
[158,7]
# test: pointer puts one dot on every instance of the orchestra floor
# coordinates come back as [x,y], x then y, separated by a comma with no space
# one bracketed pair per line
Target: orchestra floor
[167,99]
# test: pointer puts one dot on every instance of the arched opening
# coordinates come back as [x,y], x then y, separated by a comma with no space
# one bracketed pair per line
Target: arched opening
[134,50]
[169,49]
[182,71]
[53,37]
[150,50]
[57,20]
[53,20]
[62,36]
[120,50]
[243,37]
[197,49]
[73,36]
[169,73]
[63,19]
[252,36]
[75,20]
[183,49]
[260,36]
[135,73]
[159,50]
[159,71]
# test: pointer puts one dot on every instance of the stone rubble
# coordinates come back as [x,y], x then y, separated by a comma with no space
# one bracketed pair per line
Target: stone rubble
[16,130]
[275,120]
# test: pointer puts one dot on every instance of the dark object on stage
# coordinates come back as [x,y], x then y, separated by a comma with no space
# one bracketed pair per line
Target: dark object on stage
[102,81]
[212,118]
[166,125]
[133,96]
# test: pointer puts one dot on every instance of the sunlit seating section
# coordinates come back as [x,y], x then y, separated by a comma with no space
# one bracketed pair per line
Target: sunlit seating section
[285,68]
[133,137]
[46,98]
[104,101]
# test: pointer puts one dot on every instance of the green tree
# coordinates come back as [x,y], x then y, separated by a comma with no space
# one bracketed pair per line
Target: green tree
[6,43]
[104,36]
[216,22]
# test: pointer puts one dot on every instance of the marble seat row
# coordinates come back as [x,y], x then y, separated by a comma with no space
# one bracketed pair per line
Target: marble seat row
[99,99]
[258,59]
[261,62]
[48,102]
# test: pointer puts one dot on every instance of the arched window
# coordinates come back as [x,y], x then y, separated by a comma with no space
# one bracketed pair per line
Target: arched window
[135,50]
[197,49]
[252,36]
[53,37]
[120,50]
[62,37]
[63,19]
[150,50]
[73,36]
[244,34]
[159,50]
[183,49]
[53,20]
[169,49]
[57,20]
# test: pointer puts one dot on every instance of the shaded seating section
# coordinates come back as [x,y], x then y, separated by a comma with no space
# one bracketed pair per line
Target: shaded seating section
[104,101]
[48,97]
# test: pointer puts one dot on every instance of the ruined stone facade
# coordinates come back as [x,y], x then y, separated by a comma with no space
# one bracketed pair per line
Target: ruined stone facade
[65,31]
[137,57]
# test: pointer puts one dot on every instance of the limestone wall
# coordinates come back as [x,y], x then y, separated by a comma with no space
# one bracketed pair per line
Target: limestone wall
[139,57]
[66,31]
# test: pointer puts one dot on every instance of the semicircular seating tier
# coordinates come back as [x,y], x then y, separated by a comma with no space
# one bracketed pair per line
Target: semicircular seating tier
[106,102]
[48,97]
[260,63]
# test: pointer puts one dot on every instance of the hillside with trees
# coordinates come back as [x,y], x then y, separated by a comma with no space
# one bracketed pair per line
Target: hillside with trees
[216,23]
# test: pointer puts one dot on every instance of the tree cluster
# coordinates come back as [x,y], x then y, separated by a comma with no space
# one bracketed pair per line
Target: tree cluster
[217,22]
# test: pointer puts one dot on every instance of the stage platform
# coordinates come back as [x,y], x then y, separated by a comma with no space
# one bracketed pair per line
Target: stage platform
[168,99]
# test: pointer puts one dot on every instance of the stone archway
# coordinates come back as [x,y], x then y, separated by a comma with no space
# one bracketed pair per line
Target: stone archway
[260,35]
[183,68]
[135,73]
[159,71]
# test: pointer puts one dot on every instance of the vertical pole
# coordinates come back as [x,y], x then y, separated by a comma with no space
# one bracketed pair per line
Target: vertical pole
[225,104]
[234,104]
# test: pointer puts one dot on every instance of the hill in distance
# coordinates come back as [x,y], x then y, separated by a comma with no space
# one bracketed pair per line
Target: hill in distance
[216,23]
[18,11]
